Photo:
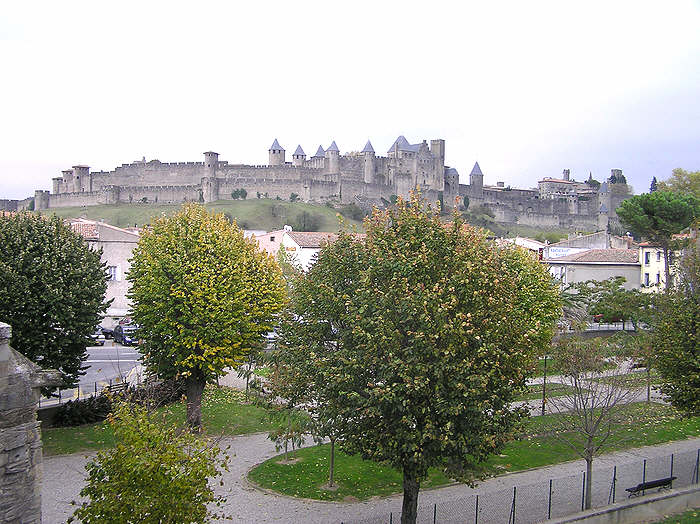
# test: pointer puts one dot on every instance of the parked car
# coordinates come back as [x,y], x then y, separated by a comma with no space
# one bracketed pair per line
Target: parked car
[126,335]
[107,332]
[98,339]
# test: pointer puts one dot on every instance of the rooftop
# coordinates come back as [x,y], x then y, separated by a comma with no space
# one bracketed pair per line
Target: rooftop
[311,239]
[601,256]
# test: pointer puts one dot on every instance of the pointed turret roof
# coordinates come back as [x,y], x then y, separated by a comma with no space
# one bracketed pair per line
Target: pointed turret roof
[319,153]
[368,147]
[603,208]
[276,146]
[476,170]
[333,147]
[299,151]
[604,187]
[401,142]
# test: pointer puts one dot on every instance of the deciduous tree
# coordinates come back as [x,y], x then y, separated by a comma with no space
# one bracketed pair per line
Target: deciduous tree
[682,182]
[658,216]
[676,337]
[52,287]
[422,335]
[203,296]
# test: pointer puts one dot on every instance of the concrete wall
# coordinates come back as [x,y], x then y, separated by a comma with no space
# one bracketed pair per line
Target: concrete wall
[572,273]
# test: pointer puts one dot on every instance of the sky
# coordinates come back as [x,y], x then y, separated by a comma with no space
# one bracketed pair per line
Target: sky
[526,88]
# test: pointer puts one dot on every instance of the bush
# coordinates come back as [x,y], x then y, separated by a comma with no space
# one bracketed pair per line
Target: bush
[155,473]
[83,411]
[293,197]
[306,221]
[240,193]
[354,211]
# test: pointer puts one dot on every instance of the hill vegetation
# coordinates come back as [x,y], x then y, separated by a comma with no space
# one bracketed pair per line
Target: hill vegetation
[264,214]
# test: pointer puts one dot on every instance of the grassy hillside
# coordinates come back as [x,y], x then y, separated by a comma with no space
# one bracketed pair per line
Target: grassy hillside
[255,213]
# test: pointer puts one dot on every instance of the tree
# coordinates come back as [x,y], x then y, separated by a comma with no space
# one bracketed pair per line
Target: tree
[593,402]
[203,296]
[154,474]
[592,182]
[676,337]
[658,216]
[610,299]
[52,287]
[654,185]
[293,197]
[422,335]
[682,182]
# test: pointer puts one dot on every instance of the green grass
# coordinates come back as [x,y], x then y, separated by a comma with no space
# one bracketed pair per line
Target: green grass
[356,478]
[252,213]
[223,413]
[692,516]
[554,389]
[636,380]
[362,479]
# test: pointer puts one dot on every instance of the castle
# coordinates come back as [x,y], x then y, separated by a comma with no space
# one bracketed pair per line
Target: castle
[361,177]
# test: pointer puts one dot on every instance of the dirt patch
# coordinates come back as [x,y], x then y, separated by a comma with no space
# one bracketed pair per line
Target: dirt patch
[327,487]
[350,498]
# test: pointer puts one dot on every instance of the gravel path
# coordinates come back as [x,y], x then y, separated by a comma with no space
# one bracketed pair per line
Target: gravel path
[64,476]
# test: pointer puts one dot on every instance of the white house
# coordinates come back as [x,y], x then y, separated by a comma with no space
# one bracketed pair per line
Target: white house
[302,246]
[597,264]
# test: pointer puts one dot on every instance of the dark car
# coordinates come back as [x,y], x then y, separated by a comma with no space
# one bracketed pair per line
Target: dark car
[107,332]
[97,337]
[126,335]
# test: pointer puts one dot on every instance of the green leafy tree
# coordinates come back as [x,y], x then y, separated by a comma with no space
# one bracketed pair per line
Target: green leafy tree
[676,338]
[203,296]
[658,216]
[654,185]
[52,287]
[293,197]
[592,182]
[682,182]
[610,299]
[422,335]
[154,474]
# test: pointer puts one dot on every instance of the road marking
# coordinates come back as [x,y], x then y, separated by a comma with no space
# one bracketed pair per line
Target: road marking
[115,361]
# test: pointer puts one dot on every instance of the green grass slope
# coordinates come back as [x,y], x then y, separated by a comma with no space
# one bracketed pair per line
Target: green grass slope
[254,213]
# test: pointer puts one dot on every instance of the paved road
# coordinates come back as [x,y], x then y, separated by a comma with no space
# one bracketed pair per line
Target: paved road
[64,476]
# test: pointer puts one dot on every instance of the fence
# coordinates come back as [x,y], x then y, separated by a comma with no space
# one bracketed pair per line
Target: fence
[84,390]
[553,498]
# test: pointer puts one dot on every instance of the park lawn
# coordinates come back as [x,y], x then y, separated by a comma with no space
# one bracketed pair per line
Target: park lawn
[357,479]
[554,389]
[223,413]
[636,380]
[692,516]
[536,448]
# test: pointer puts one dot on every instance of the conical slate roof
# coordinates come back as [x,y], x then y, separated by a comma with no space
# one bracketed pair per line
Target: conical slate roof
[476,170]
[603,208]
[604,187]
[299,151]
[276,146]
[401,142]
[333,147]
[320,153]
[368,147]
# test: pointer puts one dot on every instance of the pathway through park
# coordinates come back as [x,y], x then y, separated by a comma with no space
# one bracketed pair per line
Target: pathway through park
[64,476]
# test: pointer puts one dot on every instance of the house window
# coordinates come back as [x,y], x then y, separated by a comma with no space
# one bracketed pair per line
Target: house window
[658,256]
[646,258]
[112,273]
[658,278]
[646,279]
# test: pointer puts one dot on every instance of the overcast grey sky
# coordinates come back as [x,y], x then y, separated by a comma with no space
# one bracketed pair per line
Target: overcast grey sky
[525,88]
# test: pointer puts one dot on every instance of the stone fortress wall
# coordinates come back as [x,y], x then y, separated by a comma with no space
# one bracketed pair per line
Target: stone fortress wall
[361,177]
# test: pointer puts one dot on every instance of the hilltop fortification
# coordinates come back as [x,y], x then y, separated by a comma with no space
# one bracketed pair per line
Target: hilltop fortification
[362,177]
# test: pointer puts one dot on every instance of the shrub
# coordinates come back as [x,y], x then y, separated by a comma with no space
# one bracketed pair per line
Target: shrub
[83,411]
[155,473]
[354,211]
[293,197]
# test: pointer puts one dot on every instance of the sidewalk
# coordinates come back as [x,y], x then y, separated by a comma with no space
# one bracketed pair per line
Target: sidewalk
[64,477]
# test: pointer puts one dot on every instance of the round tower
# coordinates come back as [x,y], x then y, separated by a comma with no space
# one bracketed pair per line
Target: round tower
[476,178]
[211,162]
[298,157]
[41,199]
[333,159]
[319,158]
[276,154]
[81,176]
[369,156]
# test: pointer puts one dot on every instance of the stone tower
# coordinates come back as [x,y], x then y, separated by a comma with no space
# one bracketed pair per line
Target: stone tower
[476,178]
[333,159]
[276,154]
[81,179]
[41,199]
[298,157]
[210,184]
[437,148]
[211,162]
[368,154]
[319,158]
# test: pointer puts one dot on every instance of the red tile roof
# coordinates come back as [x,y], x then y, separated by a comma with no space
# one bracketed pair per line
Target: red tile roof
[609,256]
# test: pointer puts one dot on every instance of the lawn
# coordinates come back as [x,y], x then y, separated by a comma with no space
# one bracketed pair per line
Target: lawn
[554,389]
[253,213]
[223,413]
[536,448]
[692,516]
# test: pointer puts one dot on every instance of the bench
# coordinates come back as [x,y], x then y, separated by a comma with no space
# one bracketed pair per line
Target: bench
[117,387]
[652,484]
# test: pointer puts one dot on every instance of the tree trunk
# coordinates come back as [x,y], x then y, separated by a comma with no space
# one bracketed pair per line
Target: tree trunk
[332,464]
[411,485]
[648,386]
[589,481]
[195,388]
